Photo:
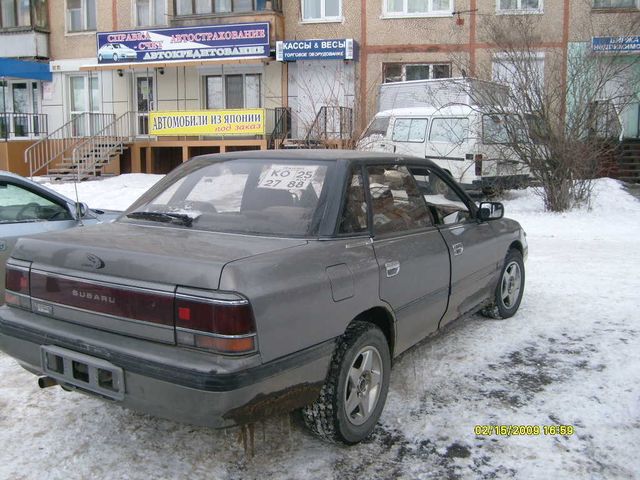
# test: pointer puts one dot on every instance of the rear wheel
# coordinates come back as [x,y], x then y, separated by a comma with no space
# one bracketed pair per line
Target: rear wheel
[353,396]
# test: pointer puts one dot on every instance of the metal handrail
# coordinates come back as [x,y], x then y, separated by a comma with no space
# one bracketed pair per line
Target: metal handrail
[331,123]
[102,145]
[56,144]
[282,129]
[14,124]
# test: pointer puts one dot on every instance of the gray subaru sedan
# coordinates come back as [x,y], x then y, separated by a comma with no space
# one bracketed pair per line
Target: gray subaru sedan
[248,284]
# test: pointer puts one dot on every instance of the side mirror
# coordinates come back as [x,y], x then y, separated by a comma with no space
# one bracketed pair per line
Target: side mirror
[490,211]
[81,209]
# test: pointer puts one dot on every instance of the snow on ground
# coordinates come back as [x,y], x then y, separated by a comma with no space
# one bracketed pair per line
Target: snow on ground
[112,193]
[570,356]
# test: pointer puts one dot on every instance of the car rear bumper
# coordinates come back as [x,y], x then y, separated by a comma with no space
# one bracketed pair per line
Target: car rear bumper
[171,382]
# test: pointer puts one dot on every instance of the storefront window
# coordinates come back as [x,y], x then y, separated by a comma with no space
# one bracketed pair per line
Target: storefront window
[233,91]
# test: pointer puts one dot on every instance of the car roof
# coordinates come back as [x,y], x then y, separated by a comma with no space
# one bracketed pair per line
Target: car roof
[335,155]
[448,110]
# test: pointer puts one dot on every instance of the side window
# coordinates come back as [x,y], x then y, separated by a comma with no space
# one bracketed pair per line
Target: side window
[446,206]
[19,205]
[449,130]
[409,130]
[354,212]
[395,200]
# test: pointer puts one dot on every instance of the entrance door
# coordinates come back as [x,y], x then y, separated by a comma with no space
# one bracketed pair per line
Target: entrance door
[20,100]
[145,102]
[84,95]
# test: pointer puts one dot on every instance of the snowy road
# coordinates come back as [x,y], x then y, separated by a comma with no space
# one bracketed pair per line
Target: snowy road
[571,356]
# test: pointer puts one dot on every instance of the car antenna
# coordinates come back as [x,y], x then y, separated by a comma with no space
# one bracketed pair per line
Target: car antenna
[78,208]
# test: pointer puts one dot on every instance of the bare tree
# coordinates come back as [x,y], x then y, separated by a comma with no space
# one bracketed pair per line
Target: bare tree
[561,116]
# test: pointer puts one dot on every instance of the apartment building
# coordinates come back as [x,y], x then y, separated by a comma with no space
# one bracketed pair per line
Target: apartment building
[142,85]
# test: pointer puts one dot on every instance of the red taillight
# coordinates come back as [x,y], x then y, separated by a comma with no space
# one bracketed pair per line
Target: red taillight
[17,287]
[226,326]
[478,160]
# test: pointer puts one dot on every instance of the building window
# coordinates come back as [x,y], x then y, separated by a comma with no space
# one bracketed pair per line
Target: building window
[615,3]
[15,13]
[199,7]
[417,8]
[321,10]
[402,72]
[151,12]
[519,6]
[233,91]
[81,15]
[524,74]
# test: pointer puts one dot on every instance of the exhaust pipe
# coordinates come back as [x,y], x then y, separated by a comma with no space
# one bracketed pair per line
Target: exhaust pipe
[45,382]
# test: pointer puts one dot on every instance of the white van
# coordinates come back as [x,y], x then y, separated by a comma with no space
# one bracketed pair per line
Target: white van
[464,141]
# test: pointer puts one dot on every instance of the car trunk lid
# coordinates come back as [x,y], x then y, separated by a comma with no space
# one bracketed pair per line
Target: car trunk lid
[123,277]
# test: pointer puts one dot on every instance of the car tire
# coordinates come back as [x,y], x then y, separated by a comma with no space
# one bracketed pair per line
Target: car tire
[510,288]
[355,391]
[115,57]
[99,57]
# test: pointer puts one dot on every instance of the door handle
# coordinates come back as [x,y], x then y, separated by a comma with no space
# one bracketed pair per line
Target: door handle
[458,248]
[392,268]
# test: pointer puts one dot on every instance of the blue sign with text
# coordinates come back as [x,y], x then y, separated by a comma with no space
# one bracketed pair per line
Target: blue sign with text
[188,43]
[629,44]
[332,49]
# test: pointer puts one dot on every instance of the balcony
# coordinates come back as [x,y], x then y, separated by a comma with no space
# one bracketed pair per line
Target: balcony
[190,13]
[24,29]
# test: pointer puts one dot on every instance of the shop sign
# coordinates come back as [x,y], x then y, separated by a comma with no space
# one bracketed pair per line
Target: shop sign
[334,49]
[208,122]
[628,44]
[189,43]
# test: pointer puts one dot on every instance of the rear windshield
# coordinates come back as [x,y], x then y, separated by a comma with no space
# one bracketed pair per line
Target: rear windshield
[260,197]
[500,129]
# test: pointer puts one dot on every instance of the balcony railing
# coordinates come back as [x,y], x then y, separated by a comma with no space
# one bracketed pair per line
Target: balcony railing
[22,125]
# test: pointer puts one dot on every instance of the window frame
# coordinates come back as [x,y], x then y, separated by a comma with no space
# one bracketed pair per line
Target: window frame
[404,66]
[411,120]
[84,15]
[447,180]
[615,8]
[367,194]
[17,16]
[224,89]
[44,195]
[368,232]
[462,141]
[323,17]
[152,14]
[254,8]
[519,10]
[404,14]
